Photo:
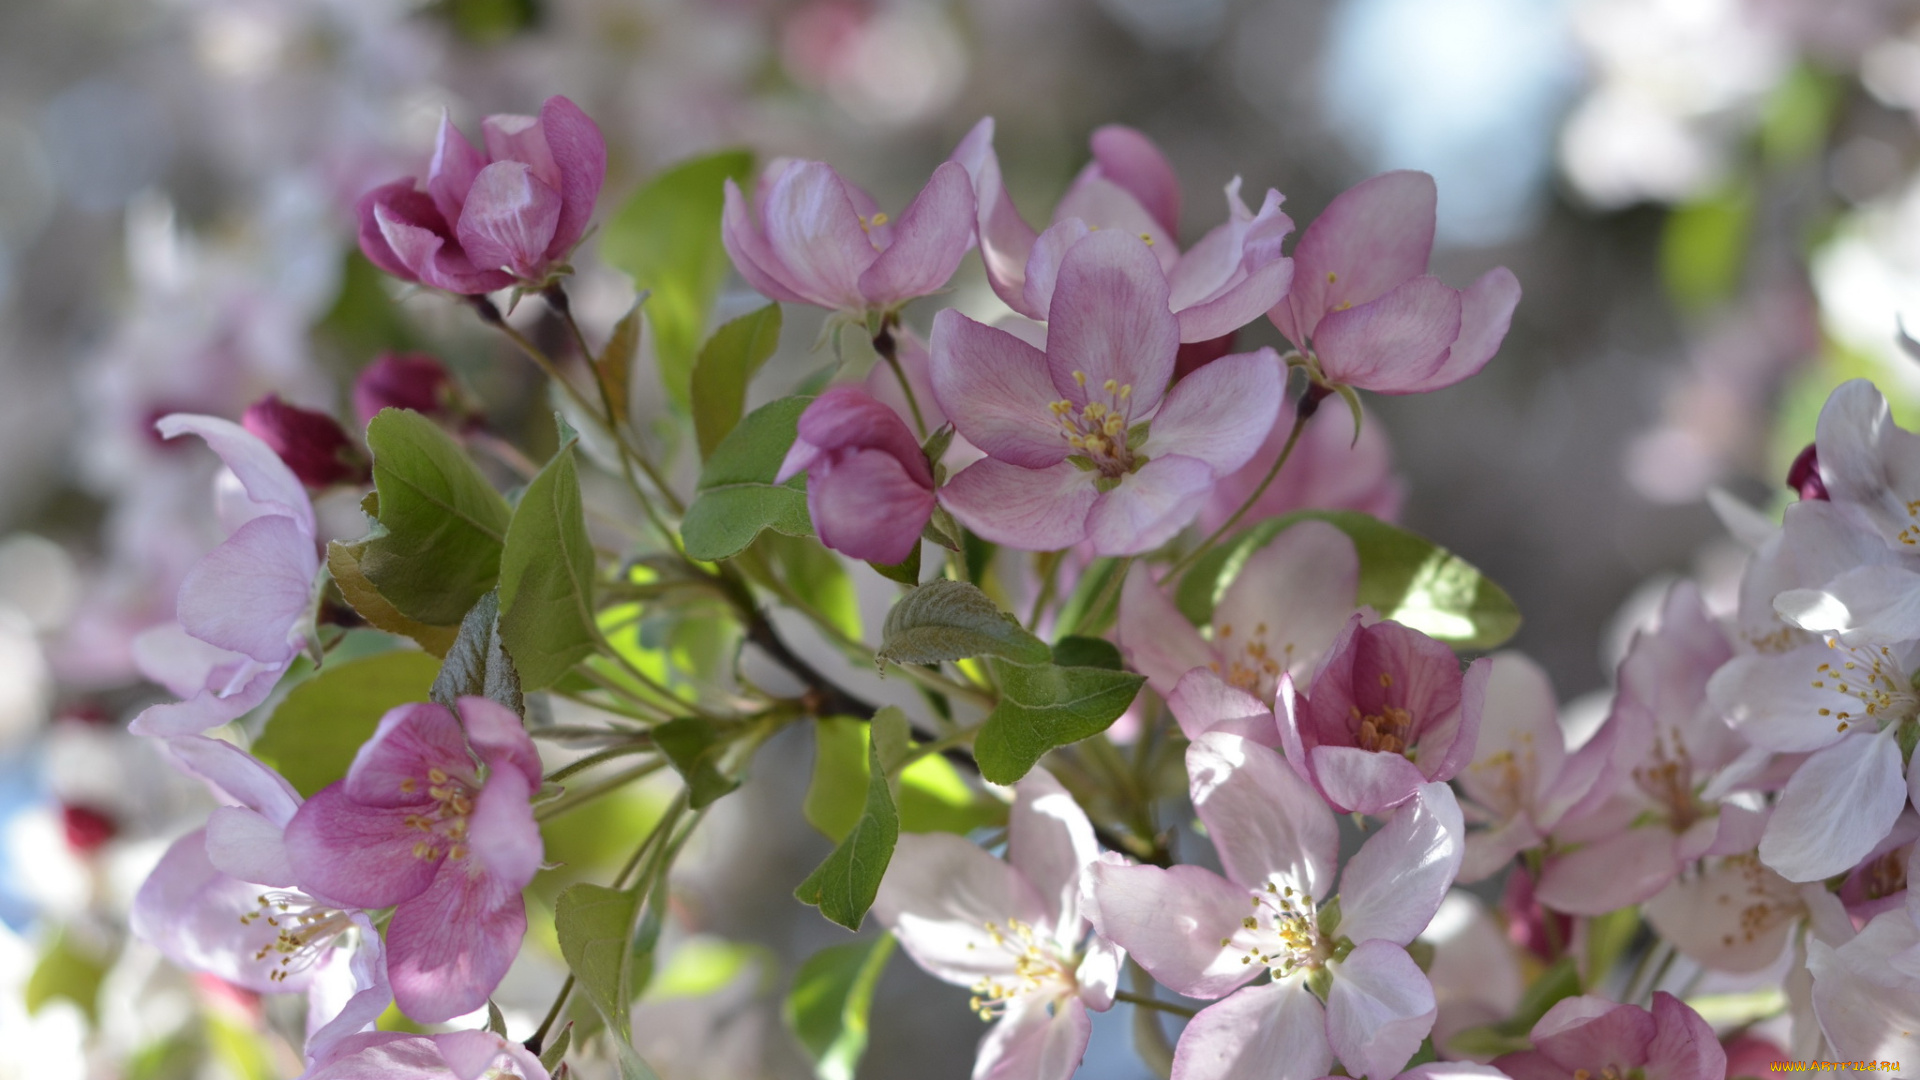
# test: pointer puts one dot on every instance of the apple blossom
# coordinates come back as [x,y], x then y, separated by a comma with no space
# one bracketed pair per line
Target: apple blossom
[869,488]
[1584,1037]
[457,1055]
[417,827]
[1084,441]
[508,215]
[1866,989]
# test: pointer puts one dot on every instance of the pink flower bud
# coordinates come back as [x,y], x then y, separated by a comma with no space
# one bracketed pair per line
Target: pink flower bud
[313,444]
[87,829]
[1803,475]
[869,489]
[413,381]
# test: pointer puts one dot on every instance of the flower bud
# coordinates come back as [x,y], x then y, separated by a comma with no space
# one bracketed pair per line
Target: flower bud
[1803,475]
[869,489]
[413,381]
[312,444]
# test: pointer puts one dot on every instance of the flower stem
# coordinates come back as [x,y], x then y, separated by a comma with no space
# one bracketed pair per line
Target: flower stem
[1144,1001]
[889,350]
[574,799]
[598,757]
[1300,419]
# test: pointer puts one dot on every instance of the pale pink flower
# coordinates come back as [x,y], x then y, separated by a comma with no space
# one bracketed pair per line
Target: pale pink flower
[1866,990]
[458,1055]
[1583,1037]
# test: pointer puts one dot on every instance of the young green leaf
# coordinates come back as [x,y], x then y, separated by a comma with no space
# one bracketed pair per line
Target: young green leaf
[478,665]
[1402,576]
[953,620]
[441,524]
[737,496]
[614,367]
[1044,706]
[1076,651]
[933,796]
[555,1052]
[832,996]
[343,564]
[546,578]
[667,236]
[694,748]
[314,734]
[727,364]
[843,887]
[596,927]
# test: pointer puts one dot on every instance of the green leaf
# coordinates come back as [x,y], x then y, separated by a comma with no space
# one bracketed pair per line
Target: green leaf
[546,578]
[1076,651]
[934,796]
[364,319]
[694,748]
[817,576]
[832,996]
[68,971]
[343,564]
[1404,577]
[1703,248]
[555,1052]
[1045,706]
[442,526]
[667,236]
[727,364]
[906,571]
[737,496]
[314,734]
[1076,616]
[478,664]
[843,887]
[614,368]
[1607,939]
[596,926]
[953,620]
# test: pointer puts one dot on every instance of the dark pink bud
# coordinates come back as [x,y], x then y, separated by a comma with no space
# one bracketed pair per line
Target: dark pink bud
[1541,932]
[313,444]
[406,381]
[87,829]
[1803,475]
[869,488]
[1194,355]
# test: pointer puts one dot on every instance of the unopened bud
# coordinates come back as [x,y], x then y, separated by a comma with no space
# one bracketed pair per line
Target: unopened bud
[413,381]
[313,444]
[1803,475]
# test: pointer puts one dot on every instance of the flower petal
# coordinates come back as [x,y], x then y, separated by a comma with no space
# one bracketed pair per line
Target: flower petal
[996,390]
[235,775]
[747,245]
[1867,1006]
[867,507]
[498,736]
[509,220]
[1028,509]
[505,840]
[1275,1031]
[250,594]
[1358,781]
[1223,412]
[1520,750]
[1043,266]
[245,845]
[1867,605]
[1107,207]
[451,171]
[267,480]
[1394,345]
[1157,640]
[1201,702]
[1397,880]
[449,947]
[814,231]
[1050,841]
[1870,462]
[1266,823]
[1486,311]
[1380,1007]
[1592,1032]
[929,241]
[580,155]
[359,855]
[1006,240]
[1771,699]
[1150,507]
[1301,587]
[1609,874]
[938,897]
[1109,320]
[1371,238]
[1172,921]
[1838,805]
[1029,1044]
[394,767]
[1131,160]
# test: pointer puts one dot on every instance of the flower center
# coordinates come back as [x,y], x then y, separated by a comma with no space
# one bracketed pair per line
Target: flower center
[1668,781]
[304,930]
[445,820]
[1038,968]
[1282,934]
[1870,676]
[1887,874]
[1250,662]
[1099,430]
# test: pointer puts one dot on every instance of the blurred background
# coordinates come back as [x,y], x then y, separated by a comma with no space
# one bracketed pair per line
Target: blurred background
[1712,207]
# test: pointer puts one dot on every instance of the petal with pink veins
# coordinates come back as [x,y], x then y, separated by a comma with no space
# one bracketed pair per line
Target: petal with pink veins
[1302,587]
[940,893]
[1049,841]
[1486,311]
[1157,640]
[1109,320]
[1609,874]
[249,594]
[245,845]
[1266,823]
[394,766]
[1028,509]
[1221,413]
[868,507]
[996,390]
[509,220]
[1043,266]
[499,737]
[1029,1044]
[1107,207]
[580,155]
[747,245]
[814,231]
[1371,238]
[1392,886]
[451,171]
[1520,750]
[1394,345]
[929,241]
[449,947]
[266,479]
[1202,702]
[360,855]
[1358,781]
[503,838]
[193,914]
[1172,921]
[1379,1009]
[1129,159]
[1866,993]
[1006,240]
[1149,507]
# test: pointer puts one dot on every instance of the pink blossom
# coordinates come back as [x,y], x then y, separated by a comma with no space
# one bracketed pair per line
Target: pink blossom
[1011,931]
[1365,311]
[1331,468]
[1388,712]
[458,1055]
[1342,985]
[1866,989]
[417,827]
[1084,441]
[1287,604]
[489,220]
[814,238]
[413,381]
[1222,283]
[243,606]
[313,444]
[1592,1037]
[869,488]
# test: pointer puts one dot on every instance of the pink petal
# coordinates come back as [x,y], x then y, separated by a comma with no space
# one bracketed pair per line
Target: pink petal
[1609,874]
[395,202]
[1006,240]
[1396,881]
[1172,922]
[1266,823]
[1109,320]
[499,737]
[208,708]
[1275,1030]
[1374,236]
[1302,587]
[394,767]
[471,1054]
[815,232]
[929,241]
[1239,305]
[1520,750]
[867,507]
[1447,745]
[1357,781]
[751,254]
[1592,1032]
[1486,310]
[1221,413]
[431,261]
[359,855]
[1867,461]
[1149,507]
[580,154]
[267,480]
[245,845]
[1131,160]
[503,837]
[1049,841]
[996,390]
[1043,266]
[1380,1007]
[369,996]
[847,417]
[235,775]
[451,172]
[1105,206]
[1235,272]
[1394,345]
[250,594]
[1203,702]
[449,947]
[1157,640]
[509,220]
[177,660]
[523,139]
[1028,509]
[1838,805]
[1866,1004]
[1029,1044]
[191,912]
[938,895]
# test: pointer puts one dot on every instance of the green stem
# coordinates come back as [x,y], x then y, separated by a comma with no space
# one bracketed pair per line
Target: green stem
[1049,567]
[578,797]
[598,757]
[1144,1001]
[889,351]
[1301,416]
[539,1040]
